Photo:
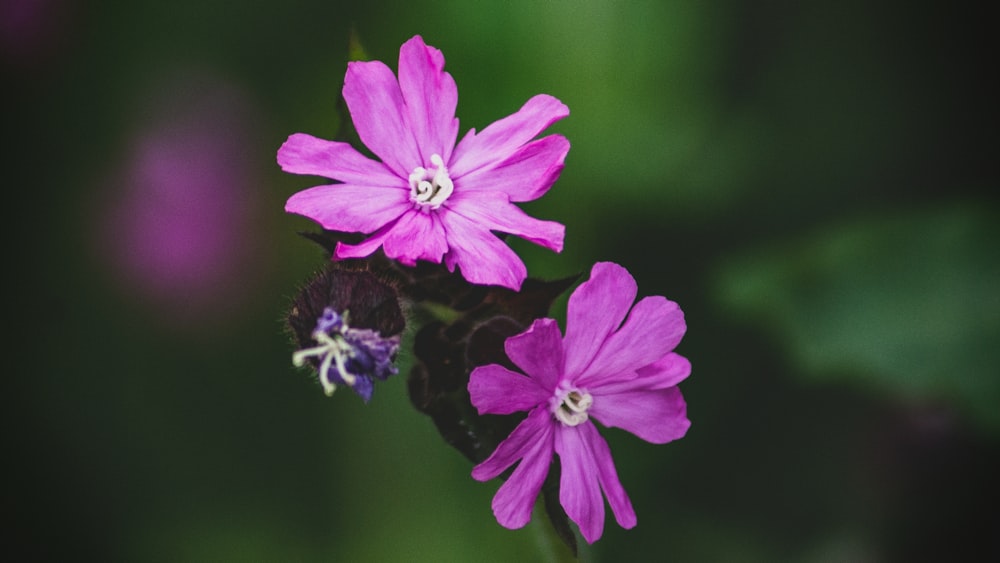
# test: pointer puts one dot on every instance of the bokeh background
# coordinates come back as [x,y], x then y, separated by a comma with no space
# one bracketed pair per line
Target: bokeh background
[814,183]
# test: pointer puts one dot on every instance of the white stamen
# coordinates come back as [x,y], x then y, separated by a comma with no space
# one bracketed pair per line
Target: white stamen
[333,350]
[428,191]
[570,406]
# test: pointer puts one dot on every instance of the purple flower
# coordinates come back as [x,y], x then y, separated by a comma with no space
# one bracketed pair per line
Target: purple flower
[622,375]
[349,356]
[429,199]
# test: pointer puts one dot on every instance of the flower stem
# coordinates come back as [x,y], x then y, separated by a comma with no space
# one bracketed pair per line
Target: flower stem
[550,545]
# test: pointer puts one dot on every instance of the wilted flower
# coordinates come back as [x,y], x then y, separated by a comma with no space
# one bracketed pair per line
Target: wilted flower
[347,323]
[430,199]
[622,374]
[349,356]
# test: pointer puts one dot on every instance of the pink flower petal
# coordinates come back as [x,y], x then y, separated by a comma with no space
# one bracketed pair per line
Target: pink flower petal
[416,236]
[502,138]
[431,97]
[538,351]
[596,308]
[579,485]
[524,176]
[495,389]
[654,328]
[534,431]
[376,103]
[655,415]
[665,372]
[483,258]
[365,247]
[348,207]
[493,211]
[608,476]
[305,154]
[668,371]
[515,499]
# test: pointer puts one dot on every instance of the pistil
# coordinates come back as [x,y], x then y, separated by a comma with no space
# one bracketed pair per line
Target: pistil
[429,188]
[570,406]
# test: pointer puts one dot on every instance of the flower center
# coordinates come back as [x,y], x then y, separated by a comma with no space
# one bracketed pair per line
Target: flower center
[347,353]
[429,188]
[569,405]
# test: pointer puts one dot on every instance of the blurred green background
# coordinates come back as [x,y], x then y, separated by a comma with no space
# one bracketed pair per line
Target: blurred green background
[815,184]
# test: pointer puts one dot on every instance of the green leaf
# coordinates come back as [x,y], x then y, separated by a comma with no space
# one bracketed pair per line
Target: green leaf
[908,304]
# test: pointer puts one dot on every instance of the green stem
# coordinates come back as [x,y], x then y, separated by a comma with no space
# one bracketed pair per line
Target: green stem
[550,545]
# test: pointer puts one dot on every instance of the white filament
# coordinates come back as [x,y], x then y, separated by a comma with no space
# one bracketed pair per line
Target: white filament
[334,350]
[430,188]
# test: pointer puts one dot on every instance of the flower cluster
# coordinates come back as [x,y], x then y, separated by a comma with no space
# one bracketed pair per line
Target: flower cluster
[415,228]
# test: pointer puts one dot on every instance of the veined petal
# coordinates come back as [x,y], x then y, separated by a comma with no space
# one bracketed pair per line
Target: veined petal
[595,309]
[538,351]
[495,389]
[654,328]
[416,236]
[431,97]
[516,497]
[524,176]
[365,247]
[579,484]
[608,476]
[483,258]
[665,372]
[671,371]
[493,211]
[377,109]
[534,431]
[655,415]
[350,208]
[502,138]
[305,154]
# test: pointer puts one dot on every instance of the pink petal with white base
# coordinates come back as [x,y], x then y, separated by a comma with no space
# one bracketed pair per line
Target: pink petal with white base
[431,97]
[495,389]
[377,109]
[349,208]
[305,154]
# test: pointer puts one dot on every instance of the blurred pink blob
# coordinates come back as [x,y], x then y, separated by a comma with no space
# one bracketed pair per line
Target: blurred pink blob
[178,228]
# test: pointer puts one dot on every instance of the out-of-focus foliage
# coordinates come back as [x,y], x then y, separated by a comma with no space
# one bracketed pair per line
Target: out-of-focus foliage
[906,303]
